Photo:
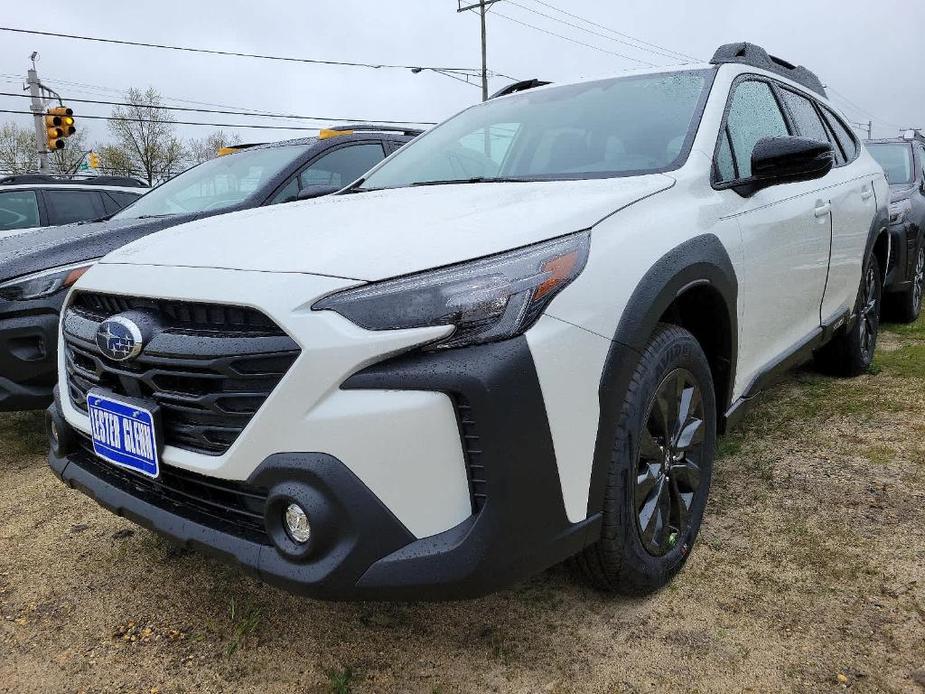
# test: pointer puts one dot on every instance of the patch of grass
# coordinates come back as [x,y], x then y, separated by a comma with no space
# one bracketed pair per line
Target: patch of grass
[880,454]
[915,331]
[341,681]
[23,433]
[906,362]
[244,620]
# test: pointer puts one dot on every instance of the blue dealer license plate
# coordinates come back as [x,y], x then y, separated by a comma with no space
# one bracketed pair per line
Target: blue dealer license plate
[124,433]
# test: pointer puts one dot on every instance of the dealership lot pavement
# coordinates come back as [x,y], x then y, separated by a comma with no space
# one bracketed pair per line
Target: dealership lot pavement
[809,574]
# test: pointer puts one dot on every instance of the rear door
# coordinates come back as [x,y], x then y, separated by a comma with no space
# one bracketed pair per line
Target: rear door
[786,231]
[854,207]
[69,206]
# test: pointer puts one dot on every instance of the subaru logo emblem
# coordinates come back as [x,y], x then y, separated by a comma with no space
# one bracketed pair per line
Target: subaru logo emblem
[119,339]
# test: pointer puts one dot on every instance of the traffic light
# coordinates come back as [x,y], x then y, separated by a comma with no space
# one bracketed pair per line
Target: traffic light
[93,160]
[59,124]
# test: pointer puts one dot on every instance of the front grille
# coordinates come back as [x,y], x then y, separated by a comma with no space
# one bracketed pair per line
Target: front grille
[179,316]
[208,383]
[472,453]
[230,507]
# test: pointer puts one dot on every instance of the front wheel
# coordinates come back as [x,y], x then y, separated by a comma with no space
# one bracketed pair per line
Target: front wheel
[660,469]
[852,352]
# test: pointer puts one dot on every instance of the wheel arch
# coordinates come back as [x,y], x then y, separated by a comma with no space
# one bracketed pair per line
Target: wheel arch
[694,285]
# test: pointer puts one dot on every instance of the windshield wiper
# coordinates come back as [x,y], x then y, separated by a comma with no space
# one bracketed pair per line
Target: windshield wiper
[474,179]
[155,216]
[94,221]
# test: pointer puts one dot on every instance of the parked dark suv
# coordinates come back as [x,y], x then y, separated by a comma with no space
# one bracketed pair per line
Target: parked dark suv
[903,161]
[37,267]
[37,200]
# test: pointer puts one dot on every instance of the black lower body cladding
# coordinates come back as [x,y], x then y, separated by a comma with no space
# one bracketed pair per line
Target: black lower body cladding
[28,353]
[358,548]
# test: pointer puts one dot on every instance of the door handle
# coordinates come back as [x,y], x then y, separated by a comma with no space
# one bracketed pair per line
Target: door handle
[823,209]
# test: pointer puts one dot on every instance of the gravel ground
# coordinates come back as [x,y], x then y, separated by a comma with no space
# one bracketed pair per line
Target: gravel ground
[809,576]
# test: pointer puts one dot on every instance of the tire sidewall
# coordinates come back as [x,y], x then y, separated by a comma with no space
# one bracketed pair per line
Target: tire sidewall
[682,351]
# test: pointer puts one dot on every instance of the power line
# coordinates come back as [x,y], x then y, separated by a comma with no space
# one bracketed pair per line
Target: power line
[860,109]
[592,32]
[567,38]
[237,54]
[618,33]
[231,113]
[180,122]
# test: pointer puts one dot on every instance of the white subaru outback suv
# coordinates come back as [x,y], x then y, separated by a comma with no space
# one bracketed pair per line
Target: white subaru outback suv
[513,342]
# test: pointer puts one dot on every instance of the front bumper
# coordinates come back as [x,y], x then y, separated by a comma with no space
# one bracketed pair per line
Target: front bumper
[360,549]
[28,353]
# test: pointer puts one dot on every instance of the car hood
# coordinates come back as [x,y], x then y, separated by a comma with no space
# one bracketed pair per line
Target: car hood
[34,250]
[386,233]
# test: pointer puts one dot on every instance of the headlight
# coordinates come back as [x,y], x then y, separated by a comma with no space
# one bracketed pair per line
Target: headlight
[899,210]
[486,300]
[45,283]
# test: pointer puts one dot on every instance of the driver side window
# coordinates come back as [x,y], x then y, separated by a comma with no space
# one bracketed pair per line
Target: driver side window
[753,115]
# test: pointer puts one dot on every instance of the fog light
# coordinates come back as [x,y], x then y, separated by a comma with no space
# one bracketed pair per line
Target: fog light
[297,524]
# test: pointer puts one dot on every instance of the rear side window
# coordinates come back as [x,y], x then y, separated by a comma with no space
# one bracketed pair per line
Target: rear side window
[805,116]
[342,166]
[67,206]
[846,139]
[753,115]
[122,199]
[19,209]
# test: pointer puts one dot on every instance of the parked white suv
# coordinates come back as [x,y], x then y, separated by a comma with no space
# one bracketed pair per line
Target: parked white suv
[515,341]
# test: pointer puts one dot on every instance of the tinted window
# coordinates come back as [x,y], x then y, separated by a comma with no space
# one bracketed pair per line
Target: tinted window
[216,184]
[896,160]
[804,116]
[753,115]
[67,206]
[725,165]
[922,160]
[623,126]
[342,166]
[846,139]
[18,209]
[290,191]
[122,199]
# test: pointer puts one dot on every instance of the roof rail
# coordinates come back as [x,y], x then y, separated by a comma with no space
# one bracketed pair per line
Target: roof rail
[756,56]
[32,179]
[373,128]
[521,86]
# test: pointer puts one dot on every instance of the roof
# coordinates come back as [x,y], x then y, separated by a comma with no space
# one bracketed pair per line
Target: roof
[71,186]
[47,179]
[356,129]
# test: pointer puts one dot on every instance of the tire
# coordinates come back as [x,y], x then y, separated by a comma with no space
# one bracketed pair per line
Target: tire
[633,556]
[851,353]
[906,307]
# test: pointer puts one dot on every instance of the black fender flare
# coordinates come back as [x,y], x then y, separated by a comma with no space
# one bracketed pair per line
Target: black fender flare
[702,260]
[879,225]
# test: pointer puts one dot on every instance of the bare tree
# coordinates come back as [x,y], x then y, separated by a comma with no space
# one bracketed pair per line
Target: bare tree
[203,149]
[66,160]
[145,136]
[116,161]
[17,149]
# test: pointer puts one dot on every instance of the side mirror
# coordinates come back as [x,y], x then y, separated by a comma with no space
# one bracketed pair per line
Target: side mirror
[777,160]
[316,192]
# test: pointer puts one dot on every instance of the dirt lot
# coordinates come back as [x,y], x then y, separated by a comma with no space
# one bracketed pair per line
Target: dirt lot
[809,575]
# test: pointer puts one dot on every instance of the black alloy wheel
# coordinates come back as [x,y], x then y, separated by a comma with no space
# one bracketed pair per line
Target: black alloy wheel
[869,313]
[668,469]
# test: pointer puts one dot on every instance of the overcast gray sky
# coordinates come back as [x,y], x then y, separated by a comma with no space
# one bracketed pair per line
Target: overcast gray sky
[873,54]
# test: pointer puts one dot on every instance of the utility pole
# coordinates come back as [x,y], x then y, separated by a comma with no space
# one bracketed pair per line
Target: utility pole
[38,114]
[482,6]
[870,130]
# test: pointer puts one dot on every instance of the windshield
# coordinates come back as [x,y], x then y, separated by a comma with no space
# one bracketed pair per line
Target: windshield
[617,127]
[216,184]
[896,160]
